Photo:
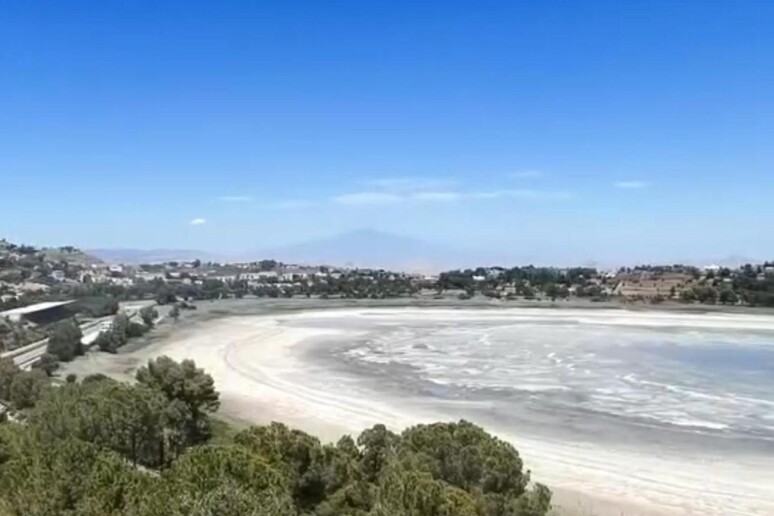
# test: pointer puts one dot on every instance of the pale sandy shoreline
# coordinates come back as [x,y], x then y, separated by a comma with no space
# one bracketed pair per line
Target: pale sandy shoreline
[251,359]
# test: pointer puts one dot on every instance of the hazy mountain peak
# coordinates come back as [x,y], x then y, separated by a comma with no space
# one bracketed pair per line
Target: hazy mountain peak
[137,256]
[369,248]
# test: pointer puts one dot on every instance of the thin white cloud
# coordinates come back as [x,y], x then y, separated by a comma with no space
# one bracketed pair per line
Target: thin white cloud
[537,195]
[293,204]
[527,174]
[437,196]
[367,199]
[198,221]
[235,198]
[631,185]
[386,198]
[409,184]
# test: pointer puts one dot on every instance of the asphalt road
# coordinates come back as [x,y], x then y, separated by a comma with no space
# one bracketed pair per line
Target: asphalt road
[26,356]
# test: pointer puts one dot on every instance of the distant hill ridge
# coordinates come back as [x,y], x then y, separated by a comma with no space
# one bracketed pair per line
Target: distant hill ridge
[361,248]
[370,248]
[137,256]
[377,249]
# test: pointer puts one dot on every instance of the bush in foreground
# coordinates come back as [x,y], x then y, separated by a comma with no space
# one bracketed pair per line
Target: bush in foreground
[108,448]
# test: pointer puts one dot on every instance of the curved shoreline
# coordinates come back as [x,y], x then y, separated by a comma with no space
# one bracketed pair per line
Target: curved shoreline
[260,379]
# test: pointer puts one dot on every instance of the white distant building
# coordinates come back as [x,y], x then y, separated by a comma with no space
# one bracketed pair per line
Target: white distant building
[224,278]
[126,282]
[262,275]
[150,276]
[295,271]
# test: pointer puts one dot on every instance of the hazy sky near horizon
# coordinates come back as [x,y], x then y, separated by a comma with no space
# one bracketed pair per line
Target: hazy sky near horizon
[610,131]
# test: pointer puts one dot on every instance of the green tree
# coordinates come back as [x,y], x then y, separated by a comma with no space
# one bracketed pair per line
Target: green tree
[267,265]
[85,449]
[65,341]
[223,478]
[728,297]
[411,493]
[26,388]
[117,335]
[165,296]
[68,477]
[96,377]
[186,383]
[465,456]
[136,329]
[378,448]
[135,421]
[98,305]
[175,313]
[706,294]
[120,325]
[105,342]
[536,502]
[8,371]
[312,470]
[47,363]
[554,291]
[148,314]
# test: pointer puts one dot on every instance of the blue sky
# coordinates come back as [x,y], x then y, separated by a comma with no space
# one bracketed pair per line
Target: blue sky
[559,131]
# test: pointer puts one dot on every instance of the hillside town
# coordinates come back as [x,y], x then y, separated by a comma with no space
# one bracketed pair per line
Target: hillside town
[29,275]
[42,286]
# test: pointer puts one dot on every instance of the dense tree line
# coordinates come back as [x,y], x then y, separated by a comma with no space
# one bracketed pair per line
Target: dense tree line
[64,341]
[101,299]
[754,285]
[16,334]
[101,447]
[97,305]
[528,282]
[122,329]
[356,284]
[20,389]
[750,285]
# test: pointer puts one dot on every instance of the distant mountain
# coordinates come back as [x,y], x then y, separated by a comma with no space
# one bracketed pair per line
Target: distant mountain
[363,248]
[369,248]
[136,256]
